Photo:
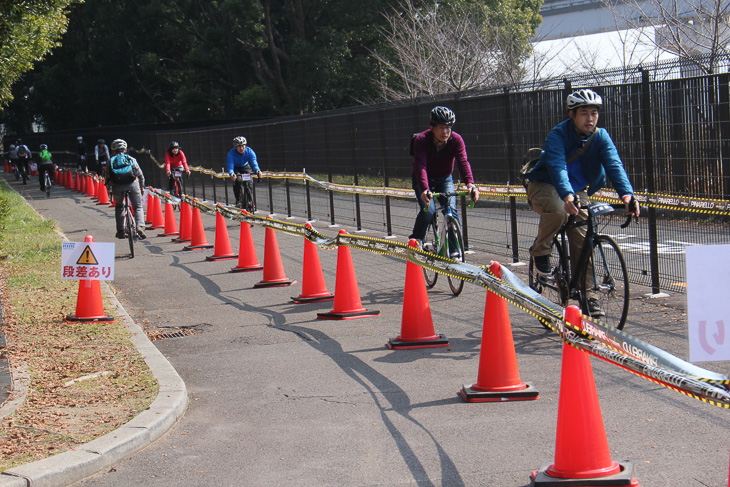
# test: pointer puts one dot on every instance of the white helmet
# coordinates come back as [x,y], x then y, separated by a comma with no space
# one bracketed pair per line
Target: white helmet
[119,145]
[240,140]
[584,98]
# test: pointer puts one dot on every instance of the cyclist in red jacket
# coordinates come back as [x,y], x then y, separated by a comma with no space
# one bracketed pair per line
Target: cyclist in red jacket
[175,160]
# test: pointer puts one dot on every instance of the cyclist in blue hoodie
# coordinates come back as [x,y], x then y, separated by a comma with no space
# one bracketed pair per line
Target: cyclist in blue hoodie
[557,188]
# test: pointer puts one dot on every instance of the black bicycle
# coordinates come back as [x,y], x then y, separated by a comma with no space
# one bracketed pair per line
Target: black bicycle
[246,199]
[130,226]
[178,186]
[608,284]
[444,238]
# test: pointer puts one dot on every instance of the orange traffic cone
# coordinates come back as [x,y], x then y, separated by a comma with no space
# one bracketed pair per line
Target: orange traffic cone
[170,222]
[102,194]
[186,223]
[222,249]
[347,303]
[148,212]
[581,447]
[89,306]
[498,378]
[247,260]
[416,323]
[273,268]
[158,221]
[314,288]
[198,240]
[90,187]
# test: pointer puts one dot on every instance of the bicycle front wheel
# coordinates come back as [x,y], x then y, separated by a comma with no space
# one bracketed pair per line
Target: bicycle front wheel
[129,228]
[553,287]
[608,283]
[456,252]
[431,244]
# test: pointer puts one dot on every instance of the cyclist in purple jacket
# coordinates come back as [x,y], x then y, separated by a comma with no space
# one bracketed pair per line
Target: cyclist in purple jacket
[435,152]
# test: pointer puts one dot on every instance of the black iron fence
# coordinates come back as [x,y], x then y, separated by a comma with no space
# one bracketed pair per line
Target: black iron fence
[672,132]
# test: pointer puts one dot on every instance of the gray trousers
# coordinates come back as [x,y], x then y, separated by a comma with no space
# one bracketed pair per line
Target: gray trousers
[135,196]
[551,208]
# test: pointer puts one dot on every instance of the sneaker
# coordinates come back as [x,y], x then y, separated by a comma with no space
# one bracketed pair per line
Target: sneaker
[140,234]
[455,255]
[120,235]
[238,203]
[542,265]
[594,309]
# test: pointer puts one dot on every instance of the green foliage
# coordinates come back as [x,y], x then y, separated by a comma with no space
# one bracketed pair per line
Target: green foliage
[29,29]
[177,60]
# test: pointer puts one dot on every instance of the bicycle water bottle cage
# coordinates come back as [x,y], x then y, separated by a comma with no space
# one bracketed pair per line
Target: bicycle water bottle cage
[597,209]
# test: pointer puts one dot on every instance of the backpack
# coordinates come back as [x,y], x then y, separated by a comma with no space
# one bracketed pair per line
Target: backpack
[22,151]
[122,169]
[410,144]
[529,160]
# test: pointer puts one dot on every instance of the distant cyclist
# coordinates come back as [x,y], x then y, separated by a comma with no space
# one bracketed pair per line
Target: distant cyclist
[558,189]
[435,152]
[102,156]
[241,160]
[45,163]
[126,175]
[22,159]
[175,160]
[81,151]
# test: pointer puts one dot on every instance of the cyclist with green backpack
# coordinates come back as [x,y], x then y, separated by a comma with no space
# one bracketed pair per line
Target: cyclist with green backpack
[126,175]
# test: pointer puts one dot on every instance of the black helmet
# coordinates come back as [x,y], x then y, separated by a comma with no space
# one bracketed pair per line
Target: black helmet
[100,141]
[174,145]
[584,98]
[442,115]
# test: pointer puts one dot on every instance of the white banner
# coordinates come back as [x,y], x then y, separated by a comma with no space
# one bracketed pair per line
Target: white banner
[708,307]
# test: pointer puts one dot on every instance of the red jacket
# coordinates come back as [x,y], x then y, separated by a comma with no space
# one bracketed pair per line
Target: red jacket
[175,161]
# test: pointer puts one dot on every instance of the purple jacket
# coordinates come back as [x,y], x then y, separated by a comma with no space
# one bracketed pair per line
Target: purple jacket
[430,163]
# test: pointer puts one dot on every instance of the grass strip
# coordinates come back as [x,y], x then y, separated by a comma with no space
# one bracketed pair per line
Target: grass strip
[85,379]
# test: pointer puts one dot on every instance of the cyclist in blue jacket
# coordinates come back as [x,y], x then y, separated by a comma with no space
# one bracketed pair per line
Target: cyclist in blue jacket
[556,189]
[241,159]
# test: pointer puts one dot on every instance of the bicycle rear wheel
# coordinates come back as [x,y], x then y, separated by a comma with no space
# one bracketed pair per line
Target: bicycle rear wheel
[129,228]
[553,287]
[48,186]
[610,285]
[17,173]
[431,244]
[453,228]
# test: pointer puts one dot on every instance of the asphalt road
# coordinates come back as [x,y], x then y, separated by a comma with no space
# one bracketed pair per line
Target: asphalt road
[278,397]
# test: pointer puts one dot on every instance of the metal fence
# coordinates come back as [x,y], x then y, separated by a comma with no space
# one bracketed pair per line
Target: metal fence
[672,132]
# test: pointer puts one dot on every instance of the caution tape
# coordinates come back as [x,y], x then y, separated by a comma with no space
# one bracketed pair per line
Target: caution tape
[597,338]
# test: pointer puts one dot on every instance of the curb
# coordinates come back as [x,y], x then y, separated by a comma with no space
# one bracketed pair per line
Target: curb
[74,465]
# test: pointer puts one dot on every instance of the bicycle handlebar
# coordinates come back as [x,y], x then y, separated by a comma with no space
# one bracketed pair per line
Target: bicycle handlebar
[453,193]
[625,224]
